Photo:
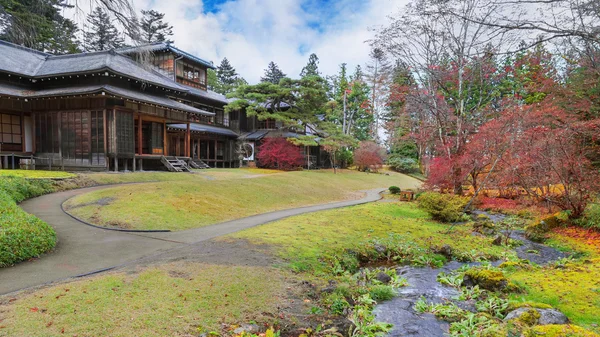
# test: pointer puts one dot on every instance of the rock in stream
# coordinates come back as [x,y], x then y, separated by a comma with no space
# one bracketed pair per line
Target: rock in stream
[422,282]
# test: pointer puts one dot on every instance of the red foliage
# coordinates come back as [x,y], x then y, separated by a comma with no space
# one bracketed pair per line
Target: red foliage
[280,154]
[368,156]
[586,236]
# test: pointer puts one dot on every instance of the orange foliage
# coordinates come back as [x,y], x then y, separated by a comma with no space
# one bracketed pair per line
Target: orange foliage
[588,237]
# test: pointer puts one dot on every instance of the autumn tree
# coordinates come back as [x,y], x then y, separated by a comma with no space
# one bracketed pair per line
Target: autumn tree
[278,153]
[369,156]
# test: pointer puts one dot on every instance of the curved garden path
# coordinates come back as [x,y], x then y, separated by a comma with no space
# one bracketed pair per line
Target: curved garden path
[83,250]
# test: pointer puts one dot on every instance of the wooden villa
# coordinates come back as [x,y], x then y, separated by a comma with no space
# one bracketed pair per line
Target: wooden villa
[110,111]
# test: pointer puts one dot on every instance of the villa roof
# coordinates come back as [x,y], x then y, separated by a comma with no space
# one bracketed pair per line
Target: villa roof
[163,46]
[30,63]
[195,127]
[135,95]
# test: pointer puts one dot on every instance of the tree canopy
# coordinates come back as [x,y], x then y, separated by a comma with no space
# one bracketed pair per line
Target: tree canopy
[101,33]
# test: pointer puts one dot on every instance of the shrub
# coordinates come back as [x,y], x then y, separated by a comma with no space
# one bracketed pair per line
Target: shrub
[22,236]
[591,217]
[368,156]
[382,293]
[403,164]
[278,153]
[537,230]
[443,207]
[394,189]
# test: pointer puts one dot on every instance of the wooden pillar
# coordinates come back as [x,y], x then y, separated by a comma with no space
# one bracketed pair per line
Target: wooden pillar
[59,122]
[105,130]
[33,132]
[165,152]
[23,140]
[187,141]
[216,154]
[116,164]
[133,163]
[140,151]
[141,168]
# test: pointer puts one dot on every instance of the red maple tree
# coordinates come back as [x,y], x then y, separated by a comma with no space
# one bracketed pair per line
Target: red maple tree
[279,154]
[368,156]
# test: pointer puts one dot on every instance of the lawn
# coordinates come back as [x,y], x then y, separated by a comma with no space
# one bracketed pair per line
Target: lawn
[304,240]
[177,299]
[197,201]
[37,174]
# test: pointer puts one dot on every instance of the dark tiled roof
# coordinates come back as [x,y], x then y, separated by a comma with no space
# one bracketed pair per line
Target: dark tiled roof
[158,46]
[208,94]
[141,96]
[30,63]
[255,135]
[205,128]
[20,60]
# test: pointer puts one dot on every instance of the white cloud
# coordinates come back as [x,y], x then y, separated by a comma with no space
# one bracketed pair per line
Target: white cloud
[251,33]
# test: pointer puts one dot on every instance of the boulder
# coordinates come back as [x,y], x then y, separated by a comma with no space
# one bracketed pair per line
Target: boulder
[534,316]
[383,278]
[486,279]
[497,241]
[445,250]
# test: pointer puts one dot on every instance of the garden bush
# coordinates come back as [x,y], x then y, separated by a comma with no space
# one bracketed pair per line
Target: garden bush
[22,236]
[394,189]
[402,164]
[591,217]
[443,207]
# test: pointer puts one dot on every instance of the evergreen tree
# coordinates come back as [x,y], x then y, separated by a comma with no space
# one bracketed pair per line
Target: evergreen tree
[226,73]
[312,67]
[102,34]
[154,29]
[38,24]
[224,79]
[273,74]
[377,76]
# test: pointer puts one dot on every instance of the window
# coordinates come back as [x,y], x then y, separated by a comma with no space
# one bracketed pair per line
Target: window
[10,129]
[267,124]
[191,73]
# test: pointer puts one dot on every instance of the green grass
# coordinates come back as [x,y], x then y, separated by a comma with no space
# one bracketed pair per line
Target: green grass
[304,240]
[196,201]
[37,174]
[171,300]
[22,236]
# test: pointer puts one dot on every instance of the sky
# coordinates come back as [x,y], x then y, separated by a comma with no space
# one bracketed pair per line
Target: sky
[251,33]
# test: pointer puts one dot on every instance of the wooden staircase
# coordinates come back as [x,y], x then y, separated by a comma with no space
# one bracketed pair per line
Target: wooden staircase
[175,164]
[199,164]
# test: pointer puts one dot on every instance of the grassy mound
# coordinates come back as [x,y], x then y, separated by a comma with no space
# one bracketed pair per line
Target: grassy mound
[197,202]
[22,236]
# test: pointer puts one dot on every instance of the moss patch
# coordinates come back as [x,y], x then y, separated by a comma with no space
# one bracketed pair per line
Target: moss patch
[37,174]
[560,331]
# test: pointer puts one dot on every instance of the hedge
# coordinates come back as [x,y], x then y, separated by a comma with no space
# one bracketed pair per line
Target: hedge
[22,235]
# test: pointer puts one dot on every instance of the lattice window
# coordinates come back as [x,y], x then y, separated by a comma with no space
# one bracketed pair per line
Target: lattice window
[10,129]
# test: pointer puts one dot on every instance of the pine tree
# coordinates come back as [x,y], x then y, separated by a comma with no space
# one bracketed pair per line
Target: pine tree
[102,34]
[273,74]
[226,74]
[154,29]
[312,67]
[38,25]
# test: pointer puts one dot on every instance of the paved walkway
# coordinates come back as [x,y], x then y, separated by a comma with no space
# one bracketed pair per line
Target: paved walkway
[82,249]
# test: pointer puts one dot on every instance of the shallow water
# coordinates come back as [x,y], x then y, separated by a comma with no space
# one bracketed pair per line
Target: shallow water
[422,282]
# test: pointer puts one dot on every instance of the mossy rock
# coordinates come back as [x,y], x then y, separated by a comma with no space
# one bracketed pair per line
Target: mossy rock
[516,305]
[565,330]
[492,280]
[537,230]
[513,265]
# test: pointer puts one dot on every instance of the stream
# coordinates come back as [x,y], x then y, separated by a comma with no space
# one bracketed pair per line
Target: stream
[422,282]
